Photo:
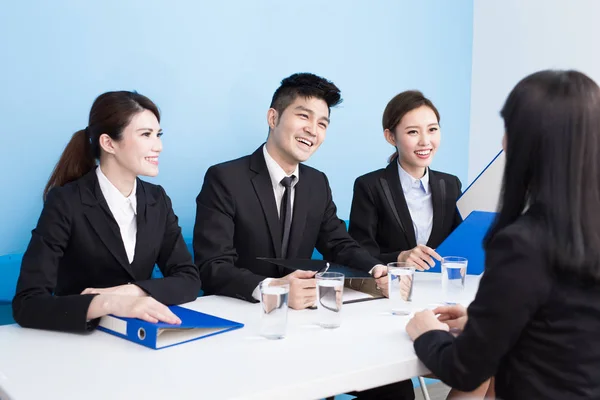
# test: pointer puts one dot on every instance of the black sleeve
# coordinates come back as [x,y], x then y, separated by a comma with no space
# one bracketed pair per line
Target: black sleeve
[513,265]
[214,249]
[181,282]
[335,243]
[364,220]
[34,304]
[457,218]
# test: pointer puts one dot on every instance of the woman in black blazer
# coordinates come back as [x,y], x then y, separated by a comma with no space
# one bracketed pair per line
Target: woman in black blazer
[403,212]
[102,229]
[535,320]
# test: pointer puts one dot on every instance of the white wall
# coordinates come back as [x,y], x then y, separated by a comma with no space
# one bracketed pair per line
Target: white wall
[513,38]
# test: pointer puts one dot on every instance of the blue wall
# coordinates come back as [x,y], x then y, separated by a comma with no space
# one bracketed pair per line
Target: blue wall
[212,68]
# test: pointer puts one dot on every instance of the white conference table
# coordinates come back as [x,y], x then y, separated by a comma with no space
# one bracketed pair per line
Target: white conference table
[370,349]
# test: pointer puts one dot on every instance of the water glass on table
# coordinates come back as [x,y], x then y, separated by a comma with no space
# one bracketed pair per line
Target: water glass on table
[454,271]
[330,290]
[400,280]
[274,308]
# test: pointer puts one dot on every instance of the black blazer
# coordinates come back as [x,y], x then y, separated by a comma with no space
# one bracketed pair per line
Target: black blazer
[380,220]
[237,221]
[532,328]
[77,244]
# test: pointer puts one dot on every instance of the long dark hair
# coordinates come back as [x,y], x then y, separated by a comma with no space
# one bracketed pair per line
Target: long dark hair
[552,125]
[399,106]
[110,114]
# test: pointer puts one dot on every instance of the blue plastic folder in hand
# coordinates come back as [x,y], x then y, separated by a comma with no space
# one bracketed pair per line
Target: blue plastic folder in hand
[194,325]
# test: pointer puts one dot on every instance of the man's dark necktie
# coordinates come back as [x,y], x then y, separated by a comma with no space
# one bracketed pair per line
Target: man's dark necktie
[285,213]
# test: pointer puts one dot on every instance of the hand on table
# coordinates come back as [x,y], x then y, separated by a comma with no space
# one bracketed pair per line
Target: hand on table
[455,316]
[424,321]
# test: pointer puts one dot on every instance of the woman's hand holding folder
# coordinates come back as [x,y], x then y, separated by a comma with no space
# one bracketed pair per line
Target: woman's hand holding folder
[145,308]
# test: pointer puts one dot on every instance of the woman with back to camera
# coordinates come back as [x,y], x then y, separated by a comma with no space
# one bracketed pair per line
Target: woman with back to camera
[403,212]
[535,320]
[102,229]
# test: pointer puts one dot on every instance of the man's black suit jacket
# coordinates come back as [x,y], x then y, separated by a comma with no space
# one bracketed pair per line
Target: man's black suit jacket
[237,221]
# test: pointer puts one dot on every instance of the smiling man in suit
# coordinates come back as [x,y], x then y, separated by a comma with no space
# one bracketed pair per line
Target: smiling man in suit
[268,204]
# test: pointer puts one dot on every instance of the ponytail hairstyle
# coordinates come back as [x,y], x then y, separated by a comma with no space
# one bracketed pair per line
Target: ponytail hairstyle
[110,114]
[399,106]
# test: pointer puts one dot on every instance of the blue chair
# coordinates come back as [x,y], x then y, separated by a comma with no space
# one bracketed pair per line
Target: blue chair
[156,274]
[6,314]
[10,266]
[9,273]
[318,256]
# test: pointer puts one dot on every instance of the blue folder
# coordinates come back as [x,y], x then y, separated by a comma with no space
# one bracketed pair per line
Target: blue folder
[467,241]
[194,325]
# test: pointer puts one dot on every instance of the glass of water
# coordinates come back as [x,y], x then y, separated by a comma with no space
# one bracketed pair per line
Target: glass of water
[454,271]
[330,289]
[401,281]
[274,308]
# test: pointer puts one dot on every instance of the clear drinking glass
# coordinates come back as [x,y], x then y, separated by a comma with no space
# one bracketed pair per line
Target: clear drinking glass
[274,308]
[330,289]
[454,271]
[401,279]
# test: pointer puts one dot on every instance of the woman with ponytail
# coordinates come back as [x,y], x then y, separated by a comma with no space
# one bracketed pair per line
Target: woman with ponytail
[102,229]
[404,211]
